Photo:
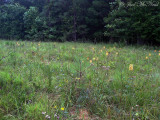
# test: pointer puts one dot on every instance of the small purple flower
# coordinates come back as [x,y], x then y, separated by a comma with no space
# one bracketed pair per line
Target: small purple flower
[134,76]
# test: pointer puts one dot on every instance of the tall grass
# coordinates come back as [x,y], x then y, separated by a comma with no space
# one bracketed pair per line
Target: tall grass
[78,81]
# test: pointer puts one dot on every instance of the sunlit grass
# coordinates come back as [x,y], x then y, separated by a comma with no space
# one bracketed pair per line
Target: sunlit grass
[63,80]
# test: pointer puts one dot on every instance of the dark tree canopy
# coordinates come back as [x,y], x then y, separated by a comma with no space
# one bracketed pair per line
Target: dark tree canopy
[129,21]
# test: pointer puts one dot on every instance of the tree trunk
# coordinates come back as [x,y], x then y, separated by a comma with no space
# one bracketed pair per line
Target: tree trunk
[74,21]
[111,40]
[139,40]
[75,27]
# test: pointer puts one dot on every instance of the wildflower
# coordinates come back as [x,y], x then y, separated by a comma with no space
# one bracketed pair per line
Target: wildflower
[93,48]
[43,113]
[149,54]
[47,117]
[101,50]
[97,59]
[77,78]
[146,58]
[106,68]
[159,54]
[155,50]
[55,106]
[90,61]
[55,115]
[94,58]
[92,64]
[104,47]
[134,76]
[116,53]
[73,48]
[107,53]
[131,67]
[136,114]
[66,81]
[88,58]
[18,44]
[62,109]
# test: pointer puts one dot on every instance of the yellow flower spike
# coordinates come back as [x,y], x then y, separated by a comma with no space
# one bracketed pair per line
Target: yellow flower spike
[77,78]
[101,50]
[104,47]
[18,44]
[116,53]
[93,48]
[73,48]
[149,54]
[55,106]
[90,61]
[107,53]
[66,81]
[159,54]
[94,58]
[131,67]
[62,109]
[146,58]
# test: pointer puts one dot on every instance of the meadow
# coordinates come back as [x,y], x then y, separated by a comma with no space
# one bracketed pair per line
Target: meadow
[71,81]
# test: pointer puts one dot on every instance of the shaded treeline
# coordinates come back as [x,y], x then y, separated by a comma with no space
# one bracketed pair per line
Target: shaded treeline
[130,21]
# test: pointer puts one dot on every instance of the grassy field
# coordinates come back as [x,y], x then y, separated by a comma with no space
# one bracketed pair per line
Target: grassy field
[57,81]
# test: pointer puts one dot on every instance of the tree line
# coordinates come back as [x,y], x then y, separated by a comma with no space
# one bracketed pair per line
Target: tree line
[131,21]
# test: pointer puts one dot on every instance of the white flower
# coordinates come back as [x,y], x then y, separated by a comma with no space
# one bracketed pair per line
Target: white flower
[43,113]
[47,117]
[55,115]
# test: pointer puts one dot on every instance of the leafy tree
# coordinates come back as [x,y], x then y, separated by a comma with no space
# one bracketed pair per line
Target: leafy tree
[134,24]
[72,20]
[11,21]
[94,19]
[34,24]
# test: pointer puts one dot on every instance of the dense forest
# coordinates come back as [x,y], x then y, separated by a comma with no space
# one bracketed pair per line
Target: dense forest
[130,21]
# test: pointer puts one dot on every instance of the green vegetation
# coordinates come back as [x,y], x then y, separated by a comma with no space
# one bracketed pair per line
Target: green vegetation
[130,21]
[42,79]
[66,80]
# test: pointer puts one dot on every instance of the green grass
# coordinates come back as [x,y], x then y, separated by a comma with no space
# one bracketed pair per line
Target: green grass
[45,77]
